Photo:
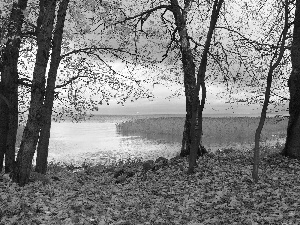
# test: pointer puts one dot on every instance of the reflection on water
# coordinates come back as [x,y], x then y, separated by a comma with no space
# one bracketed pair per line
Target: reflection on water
[99,142]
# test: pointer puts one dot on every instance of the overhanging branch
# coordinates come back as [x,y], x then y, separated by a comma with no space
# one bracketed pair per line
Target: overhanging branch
[93,48]
[147,12]
[69,81]
[253,42]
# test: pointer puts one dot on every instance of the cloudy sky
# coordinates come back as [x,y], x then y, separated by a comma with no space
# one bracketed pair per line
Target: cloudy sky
[155,48]
[162,105]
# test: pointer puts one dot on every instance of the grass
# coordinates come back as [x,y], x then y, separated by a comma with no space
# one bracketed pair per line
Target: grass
[219,131]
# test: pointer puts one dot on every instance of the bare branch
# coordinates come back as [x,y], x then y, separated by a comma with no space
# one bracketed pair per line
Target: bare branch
[213,56]
[111,69]
[280,96]
[90,49]
[168,7]
[173,39]
[69,81]
[252,42]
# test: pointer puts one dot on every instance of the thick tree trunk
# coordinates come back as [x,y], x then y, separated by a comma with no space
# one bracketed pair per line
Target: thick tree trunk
[188,70]
[186,140]
[31,132]
[42,149]
[292,145]
[9,78]
[4,119]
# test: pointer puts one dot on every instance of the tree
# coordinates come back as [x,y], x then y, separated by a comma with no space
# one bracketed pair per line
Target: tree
[45,23]
[42,149]
[292,145]
[4,123]
[184,42]
[38,126]
[56,58]
[277,57]
[9,80]
[197,108]
[189,69]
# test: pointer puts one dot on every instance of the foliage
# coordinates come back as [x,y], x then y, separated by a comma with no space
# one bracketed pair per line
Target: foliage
[220,192]
[92,50]
[253,41]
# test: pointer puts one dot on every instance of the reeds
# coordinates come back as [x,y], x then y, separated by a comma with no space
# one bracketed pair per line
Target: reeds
[218,131]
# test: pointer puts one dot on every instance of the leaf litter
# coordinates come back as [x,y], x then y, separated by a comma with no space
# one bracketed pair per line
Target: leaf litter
[220,191]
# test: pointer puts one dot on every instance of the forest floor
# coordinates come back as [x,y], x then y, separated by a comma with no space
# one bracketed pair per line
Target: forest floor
[221,191]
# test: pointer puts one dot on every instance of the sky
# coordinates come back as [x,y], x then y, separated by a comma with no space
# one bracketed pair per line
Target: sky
[162,105]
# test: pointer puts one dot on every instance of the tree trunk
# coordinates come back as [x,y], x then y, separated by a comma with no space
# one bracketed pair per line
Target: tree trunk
[200,119]
[186,140]
[191,140]
[292,145]
[196,108]
[42,149]
[9,78]
[186,137]
[273,66]
[4,118]
[188,69]
[31,132]
[193,150]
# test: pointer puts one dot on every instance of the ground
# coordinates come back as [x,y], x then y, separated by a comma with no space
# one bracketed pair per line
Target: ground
[220,192]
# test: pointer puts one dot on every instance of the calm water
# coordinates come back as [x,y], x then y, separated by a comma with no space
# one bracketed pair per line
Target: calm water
[97,140]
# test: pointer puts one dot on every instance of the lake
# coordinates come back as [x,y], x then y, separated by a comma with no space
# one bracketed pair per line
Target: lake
[97,140]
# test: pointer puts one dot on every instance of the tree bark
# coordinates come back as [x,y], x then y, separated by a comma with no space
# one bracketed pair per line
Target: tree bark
[272,67]
[42,149]
[188,68]
[31,132]
[292,145]
[4,120]
[9,78]
[186,137]
[196,108]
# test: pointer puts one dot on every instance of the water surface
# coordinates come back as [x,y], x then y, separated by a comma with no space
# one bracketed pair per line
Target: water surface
[97,140]
[100,142]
